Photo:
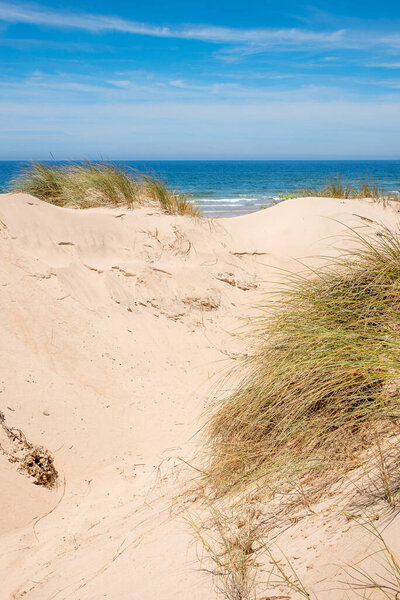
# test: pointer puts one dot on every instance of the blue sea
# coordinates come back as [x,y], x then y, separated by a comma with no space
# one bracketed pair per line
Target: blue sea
[233,187]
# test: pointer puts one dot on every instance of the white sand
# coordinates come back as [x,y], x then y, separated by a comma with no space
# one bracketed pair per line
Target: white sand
[115,328]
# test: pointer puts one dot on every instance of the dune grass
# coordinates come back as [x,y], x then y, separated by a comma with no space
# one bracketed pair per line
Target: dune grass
[170,201]
[324,380]
[90,184]
[336,187]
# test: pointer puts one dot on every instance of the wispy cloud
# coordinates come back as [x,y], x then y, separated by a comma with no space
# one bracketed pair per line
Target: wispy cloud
[133,87]
[385,65]
[29,44]
[96,23]
[250,40]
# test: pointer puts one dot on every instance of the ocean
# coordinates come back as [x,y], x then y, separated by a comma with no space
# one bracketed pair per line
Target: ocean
[233,187]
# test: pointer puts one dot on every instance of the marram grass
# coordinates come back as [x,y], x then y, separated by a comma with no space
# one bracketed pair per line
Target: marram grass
[324,379]
[170,201]
[336,187]
[91,184]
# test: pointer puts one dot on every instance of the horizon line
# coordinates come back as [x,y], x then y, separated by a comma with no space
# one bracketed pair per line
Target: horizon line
[365,159]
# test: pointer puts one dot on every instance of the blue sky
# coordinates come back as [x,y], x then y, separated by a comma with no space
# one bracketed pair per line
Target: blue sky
[210,79]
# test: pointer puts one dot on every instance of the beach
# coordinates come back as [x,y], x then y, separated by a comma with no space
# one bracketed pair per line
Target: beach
[199,300]
[118,327]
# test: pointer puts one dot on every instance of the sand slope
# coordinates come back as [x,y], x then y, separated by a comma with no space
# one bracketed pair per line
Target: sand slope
[115,328]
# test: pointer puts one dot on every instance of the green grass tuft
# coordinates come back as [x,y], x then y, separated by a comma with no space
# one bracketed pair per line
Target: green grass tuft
[90,184]
[172,202]
[325,377]
[338,188]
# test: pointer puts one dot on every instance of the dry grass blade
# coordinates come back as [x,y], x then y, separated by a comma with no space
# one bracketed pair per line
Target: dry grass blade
[228,541]
[285,574]
[380,577]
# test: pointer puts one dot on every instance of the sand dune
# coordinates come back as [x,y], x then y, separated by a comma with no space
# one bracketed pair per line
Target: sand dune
[116,326]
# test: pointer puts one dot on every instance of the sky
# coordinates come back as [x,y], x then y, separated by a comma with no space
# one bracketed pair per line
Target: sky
[204,79]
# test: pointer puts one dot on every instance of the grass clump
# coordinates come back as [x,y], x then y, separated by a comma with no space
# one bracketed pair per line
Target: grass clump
[91,184]
[338,188]
[324,378]
[170,201]
[78,185]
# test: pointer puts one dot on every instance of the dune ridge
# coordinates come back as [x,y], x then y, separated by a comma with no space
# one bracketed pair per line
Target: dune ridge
[116,326]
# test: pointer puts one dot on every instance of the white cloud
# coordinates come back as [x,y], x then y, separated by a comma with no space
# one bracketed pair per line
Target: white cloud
[249,41]
[385,65]
[38,15]
[139,86]
[123,83]
[256,39]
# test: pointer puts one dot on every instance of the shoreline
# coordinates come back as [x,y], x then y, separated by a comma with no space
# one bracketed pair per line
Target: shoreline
[249,183]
